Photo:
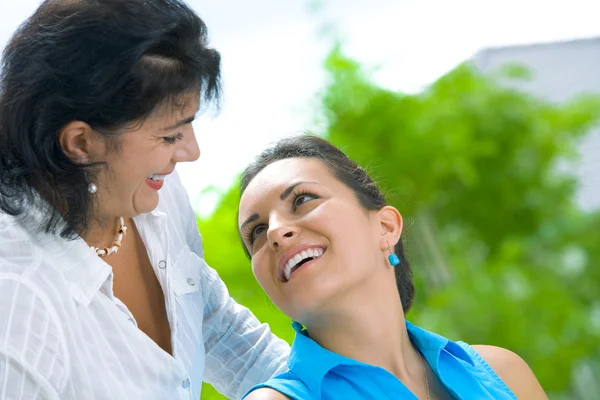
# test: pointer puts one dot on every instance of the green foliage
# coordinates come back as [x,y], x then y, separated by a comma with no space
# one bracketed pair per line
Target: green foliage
[224,252]
[500,253]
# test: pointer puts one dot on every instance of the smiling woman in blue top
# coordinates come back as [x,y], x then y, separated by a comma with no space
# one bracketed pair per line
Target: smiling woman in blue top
[326,248]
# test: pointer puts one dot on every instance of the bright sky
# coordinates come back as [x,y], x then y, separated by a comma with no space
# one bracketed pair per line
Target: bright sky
[272,54]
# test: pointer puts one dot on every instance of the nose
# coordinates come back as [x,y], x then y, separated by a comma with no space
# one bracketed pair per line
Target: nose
[281,233]
[189,149]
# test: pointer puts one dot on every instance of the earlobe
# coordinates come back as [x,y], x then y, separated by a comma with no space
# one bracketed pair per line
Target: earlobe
[391,226]
[77,140]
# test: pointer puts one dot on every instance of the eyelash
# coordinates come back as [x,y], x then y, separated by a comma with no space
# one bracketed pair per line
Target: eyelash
[173,139]
[249,233]
[299,194]
[302,193]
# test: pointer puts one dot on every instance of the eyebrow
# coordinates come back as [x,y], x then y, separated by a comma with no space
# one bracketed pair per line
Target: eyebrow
[251,219]
[284,195]
[181,123]
[289,190]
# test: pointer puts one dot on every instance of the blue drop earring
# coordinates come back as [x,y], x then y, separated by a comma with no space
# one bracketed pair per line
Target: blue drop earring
[392,257]
[297,326]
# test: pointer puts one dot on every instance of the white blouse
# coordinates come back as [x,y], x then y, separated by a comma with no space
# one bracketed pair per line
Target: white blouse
[64,335]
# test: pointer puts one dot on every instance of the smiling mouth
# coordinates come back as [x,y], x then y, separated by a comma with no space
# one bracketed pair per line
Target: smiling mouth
[156,177]
[299,260]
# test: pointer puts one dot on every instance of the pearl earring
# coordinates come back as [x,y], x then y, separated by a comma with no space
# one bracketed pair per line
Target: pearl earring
[92,188]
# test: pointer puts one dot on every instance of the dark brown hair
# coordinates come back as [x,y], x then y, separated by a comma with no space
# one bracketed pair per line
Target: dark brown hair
[104,62]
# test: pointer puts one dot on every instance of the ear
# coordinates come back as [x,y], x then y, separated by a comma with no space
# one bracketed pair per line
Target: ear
[391,225]
[78,141]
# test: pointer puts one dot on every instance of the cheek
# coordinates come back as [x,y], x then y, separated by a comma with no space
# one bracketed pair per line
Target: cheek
[339,224]
[261,273]
[353,238]
[124,169]
[264,273]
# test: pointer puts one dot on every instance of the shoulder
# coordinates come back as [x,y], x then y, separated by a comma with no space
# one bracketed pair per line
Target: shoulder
[284,386]
[28,303]
[18,251]
[30,283]
[31,318]
[513,370]
[266,393]
[28,260]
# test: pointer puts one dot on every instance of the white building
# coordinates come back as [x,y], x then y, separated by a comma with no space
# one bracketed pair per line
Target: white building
[560,70]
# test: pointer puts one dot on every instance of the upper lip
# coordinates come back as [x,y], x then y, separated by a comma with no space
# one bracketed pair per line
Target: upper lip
[291,253]
[165,173]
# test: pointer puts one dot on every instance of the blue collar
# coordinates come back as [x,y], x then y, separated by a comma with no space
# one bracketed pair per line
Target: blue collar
[311,362]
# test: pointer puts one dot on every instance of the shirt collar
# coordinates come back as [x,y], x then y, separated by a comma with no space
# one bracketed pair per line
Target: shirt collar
[311,362]
[85,272]
[431,345]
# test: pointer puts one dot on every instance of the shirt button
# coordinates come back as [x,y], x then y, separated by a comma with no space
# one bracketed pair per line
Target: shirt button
[162,264]
[185,384]
[191,282]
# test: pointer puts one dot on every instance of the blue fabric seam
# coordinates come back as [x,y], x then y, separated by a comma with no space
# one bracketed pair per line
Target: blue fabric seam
[266,385]
[490,370]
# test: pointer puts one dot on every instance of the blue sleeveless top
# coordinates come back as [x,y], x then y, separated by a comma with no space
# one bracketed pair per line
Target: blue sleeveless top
[317,373]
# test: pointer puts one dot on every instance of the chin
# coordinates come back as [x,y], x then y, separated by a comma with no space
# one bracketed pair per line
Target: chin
[143,207]
[305,309]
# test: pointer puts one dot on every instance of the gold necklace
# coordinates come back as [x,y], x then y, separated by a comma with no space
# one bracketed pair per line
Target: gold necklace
[425,373]
[101,252]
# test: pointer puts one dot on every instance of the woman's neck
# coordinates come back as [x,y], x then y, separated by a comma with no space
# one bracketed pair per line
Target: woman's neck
[369,327]
[102,231]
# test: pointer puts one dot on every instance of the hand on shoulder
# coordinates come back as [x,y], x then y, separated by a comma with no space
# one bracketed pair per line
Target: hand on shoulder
[513,371]
[266,393]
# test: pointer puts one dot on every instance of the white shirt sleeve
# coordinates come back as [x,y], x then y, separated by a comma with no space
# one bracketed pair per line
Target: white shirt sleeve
[33,365]
[240,351]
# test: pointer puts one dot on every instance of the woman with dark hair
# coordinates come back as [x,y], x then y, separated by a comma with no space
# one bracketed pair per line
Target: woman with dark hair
[104,293]
[325,246]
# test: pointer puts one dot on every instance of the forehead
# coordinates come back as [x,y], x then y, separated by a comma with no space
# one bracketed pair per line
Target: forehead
[180,104]
[169,113]
[285,171]
[278,176]
[178,107]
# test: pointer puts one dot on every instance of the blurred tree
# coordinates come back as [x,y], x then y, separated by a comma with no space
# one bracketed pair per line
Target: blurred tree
[501,254]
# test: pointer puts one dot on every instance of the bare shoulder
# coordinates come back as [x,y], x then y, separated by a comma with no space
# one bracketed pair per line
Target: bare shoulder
[513,371]
[265,393]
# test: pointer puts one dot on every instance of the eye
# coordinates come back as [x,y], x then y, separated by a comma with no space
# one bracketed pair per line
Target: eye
[254,233]
[301,198]
[173,139]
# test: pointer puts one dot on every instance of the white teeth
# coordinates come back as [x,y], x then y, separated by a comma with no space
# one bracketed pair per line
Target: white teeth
[293,261]
[297,258]
[157,177]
